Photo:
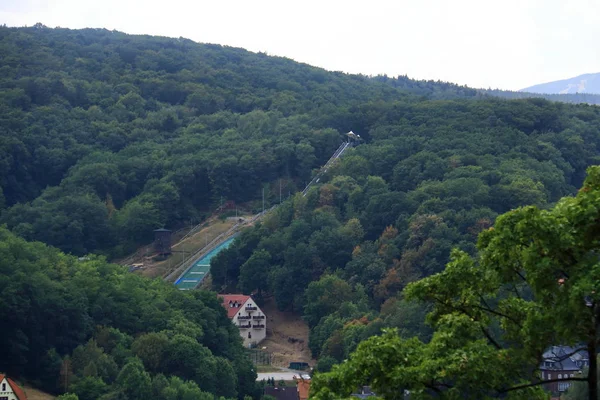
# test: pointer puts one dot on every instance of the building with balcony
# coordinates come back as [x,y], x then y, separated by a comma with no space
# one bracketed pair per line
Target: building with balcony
[247,316]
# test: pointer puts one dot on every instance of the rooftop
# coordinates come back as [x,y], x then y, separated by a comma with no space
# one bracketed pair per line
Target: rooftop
[565,358]
[233,302]
[282,393]
[15,388]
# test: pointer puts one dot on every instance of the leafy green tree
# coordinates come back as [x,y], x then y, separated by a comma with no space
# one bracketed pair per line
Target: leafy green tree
[151,349]
[532,286]
[89,388]
[68,396]
[254,272]
[135,381]
[323,297]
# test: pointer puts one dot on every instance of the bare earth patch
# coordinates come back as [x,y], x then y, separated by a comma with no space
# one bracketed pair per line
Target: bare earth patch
[34,394]
[287,336]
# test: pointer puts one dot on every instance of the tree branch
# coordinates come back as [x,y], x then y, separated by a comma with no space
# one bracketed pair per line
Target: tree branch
[541,383]
[499,314]
[490,338]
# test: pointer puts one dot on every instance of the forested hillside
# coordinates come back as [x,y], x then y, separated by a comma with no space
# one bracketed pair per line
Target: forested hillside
[106,136]
[432,177]
[93,329]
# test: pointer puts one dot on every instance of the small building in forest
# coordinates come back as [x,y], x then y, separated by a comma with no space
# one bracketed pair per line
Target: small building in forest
[247,316]
[562,362]
[9,390]
[162,241]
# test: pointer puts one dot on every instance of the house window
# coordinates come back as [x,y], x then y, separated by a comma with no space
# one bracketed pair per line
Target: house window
[4,387]
[3,398]
[572,375]
[562,386]
[249,335]
[559,376]
[549,375]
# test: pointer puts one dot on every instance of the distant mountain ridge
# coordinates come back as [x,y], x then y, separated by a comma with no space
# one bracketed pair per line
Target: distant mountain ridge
[586,83]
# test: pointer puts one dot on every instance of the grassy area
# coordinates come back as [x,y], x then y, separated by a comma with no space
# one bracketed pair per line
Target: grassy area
[182,250]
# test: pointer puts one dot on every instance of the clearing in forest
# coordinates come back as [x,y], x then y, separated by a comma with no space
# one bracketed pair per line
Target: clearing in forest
[287,336]
[184,249]
[34,394]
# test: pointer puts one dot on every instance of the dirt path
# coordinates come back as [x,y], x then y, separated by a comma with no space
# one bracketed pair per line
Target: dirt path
[287,336]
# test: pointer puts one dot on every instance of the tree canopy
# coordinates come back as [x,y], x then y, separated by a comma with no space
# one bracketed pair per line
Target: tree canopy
[533,285]
[91,328]
[107,136]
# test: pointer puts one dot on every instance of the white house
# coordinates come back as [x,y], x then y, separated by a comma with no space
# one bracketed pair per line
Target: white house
[247,316]
[9,390]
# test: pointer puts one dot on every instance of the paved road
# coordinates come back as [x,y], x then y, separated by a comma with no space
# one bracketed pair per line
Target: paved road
[286,375]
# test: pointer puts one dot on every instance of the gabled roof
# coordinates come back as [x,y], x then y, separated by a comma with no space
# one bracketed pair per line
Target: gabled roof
[15,388]
[565,358]
[235,300]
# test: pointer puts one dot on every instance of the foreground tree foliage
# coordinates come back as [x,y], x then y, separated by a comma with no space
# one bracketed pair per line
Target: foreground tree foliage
[92,329]
[534,284]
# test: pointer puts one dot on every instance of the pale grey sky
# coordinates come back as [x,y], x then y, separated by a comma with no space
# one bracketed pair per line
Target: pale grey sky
[507,44]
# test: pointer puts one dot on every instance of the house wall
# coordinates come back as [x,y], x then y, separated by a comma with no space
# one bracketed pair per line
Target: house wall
[256,318]
[556,387]
[6,392]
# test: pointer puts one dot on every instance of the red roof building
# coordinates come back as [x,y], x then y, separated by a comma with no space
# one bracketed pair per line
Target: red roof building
[233,302]
[9,390]
[303,388]
[247,316]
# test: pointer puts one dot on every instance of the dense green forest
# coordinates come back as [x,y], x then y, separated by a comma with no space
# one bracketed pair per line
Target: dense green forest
[93,329]
[106,136]
[532,284]
[432,177]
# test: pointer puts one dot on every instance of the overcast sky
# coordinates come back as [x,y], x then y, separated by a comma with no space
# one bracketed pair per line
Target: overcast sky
[507,44]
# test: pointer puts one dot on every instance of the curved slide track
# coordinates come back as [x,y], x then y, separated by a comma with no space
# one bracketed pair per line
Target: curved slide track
[194,275]
[199,265]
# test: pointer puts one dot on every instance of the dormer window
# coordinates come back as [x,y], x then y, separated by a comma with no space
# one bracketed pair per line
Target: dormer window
[4,387]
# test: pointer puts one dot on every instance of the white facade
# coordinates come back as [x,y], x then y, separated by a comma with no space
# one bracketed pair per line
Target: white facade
[251,322]
[6,392]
